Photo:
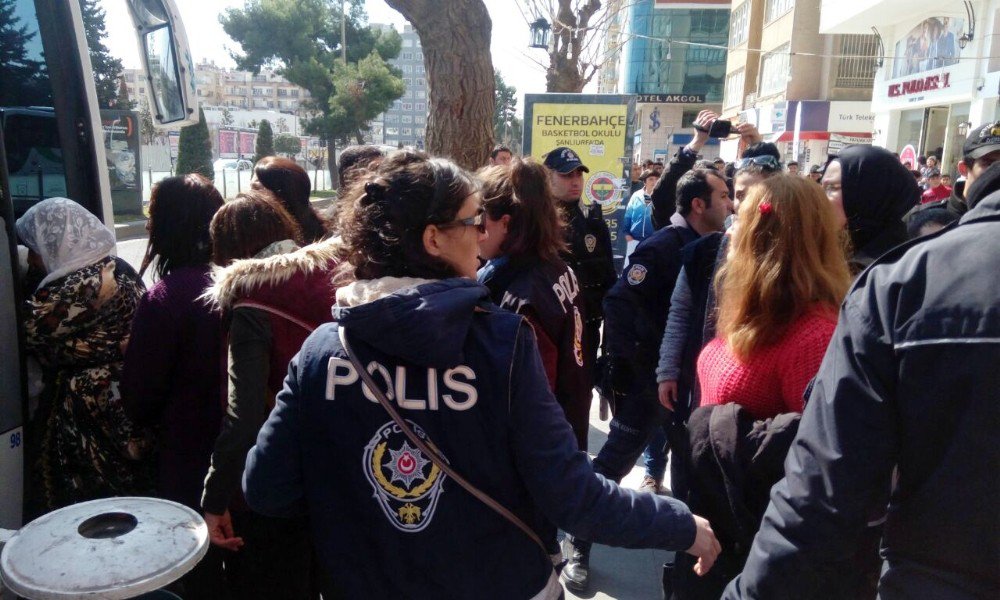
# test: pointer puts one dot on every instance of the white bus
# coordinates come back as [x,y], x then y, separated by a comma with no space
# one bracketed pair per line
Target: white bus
[52,144]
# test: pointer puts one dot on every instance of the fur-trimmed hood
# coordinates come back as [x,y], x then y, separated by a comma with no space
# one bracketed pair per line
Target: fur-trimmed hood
[242,277]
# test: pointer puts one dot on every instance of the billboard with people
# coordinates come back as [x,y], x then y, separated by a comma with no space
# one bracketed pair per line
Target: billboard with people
[932,44]
[121,148]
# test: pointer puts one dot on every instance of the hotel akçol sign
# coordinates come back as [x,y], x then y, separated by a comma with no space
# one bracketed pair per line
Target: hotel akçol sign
[671,98]
[923,84]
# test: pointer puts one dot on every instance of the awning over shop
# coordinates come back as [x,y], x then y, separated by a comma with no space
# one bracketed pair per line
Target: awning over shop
[851,138]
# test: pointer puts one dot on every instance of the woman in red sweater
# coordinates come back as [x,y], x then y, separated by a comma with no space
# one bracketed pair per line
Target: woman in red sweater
[779,290]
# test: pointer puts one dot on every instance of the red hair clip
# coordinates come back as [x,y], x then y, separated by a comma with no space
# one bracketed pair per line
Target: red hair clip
[764,208]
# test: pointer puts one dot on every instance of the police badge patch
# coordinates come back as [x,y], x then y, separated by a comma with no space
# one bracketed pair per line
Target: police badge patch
[590,241]
[577,336]
[407,484]
[636,274]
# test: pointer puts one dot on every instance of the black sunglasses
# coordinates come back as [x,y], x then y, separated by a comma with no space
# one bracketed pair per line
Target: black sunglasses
[767,161]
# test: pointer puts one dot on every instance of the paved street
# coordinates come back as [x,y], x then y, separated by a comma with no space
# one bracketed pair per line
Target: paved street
[132,251]
[617,572]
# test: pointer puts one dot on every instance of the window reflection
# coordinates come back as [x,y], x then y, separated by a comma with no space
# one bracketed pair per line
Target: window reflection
[24,79]
[163,72]
[30,136]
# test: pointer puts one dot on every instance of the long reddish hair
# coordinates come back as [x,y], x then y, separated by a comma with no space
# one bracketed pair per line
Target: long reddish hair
[785,259]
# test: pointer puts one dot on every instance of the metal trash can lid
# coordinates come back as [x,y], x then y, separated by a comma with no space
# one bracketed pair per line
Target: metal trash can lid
[108,549]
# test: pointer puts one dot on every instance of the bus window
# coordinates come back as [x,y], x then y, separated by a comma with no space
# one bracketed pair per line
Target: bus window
[34,157]
[23,72]
[31,138]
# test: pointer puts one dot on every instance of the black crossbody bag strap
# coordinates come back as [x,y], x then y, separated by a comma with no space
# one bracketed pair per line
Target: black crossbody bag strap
[429,449]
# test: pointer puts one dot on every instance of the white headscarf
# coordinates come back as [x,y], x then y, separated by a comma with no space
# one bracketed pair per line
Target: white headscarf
[66,235]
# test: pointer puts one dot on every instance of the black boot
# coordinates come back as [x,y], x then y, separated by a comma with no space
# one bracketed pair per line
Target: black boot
[576,573]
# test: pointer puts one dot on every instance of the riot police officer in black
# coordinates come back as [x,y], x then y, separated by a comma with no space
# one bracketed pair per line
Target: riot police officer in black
[590,253]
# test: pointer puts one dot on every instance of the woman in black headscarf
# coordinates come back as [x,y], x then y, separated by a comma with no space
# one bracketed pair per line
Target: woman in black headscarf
[871,191]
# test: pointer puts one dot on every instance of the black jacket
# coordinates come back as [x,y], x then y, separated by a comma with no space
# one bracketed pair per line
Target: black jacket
[665,192]
[636,308]
[590,256]
[547,293]
[733,463]
[701,259]
[910,380]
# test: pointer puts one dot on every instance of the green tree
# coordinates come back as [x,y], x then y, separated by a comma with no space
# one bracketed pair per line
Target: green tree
[146,128]
[122,101]
[287,144]
[21,75]
[282,125]
[265,141]
[363,92]
[302,39]
[506,125]
[227,118]
[106,69]
[194,149]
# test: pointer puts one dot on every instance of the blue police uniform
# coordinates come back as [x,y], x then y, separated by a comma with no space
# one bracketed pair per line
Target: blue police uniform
[635,313]
[387,523]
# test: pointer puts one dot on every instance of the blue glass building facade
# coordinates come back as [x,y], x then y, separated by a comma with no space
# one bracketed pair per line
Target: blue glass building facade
[652,66]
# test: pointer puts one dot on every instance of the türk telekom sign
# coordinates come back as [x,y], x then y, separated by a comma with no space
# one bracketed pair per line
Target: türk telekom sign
[920,85]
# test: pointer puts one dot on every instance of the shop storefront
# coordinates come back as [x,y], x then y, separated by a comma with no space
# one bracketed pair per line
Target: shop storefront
[808,131]
[931,91]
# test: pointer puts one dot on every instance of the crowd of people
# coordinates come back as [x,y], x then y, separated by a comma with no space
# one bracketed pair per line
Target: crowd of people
[392,398]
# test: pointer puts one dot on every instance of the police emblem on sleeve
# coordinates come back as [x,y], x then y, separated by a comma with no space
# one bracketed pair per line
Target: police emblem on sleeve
[406,484]
[636,274]
[590,240]
[577,336]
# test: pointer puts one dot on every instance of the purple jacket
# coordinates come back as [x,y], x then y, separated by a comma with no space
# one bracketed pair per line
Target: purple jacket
[174,379]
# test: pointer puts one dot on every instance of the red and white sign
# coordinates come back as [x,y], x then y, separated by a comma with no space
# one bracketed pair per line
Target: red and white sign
[227,143]
[247,140]
[908,155]
[920,85]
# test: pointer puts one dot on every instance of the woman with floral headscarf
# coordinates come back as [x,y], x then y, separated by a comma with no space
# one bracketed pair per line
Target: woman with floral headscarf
[76,326]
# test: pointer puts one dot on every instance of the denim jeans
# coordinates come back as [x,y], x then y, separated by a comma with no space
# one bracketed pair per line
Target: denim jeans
[655,455]
[637,416]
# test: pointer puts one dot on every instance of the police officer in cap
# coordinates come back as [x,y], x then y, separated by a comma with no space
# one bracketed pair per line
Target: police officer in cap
[589,241]
[981,149]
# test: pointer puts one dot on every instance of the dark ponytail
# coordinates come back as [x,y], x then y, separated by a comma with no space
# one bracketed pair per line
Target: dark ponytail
[521,190]
[291,186]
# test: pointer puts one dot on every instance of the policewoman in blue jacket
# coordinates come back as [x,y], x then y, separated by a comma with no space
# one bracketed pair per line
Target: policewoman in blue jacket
[464,376]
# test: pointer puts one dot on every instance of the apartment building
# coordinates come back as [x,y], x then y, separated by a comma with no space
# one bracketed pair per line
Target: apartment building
[808,92]
[608,74]
[940,76]
[405,123]
[675,62]
[217,86]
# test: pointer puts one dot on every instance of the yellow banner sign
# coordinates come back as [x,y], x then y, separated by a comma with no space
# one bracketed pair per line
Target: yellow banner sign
[598,134]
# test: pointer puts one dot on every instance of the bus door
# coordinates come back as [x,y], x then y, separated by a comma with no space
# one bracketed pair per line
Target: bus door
[52,144]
